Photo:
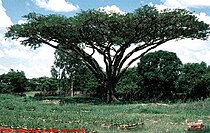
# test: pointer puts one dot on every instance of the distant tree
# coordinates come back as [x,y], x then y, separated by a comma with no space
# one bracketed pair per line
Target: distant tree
[13,81]
[33,85]
[47,84]
[110,35]
[127,87]
[158,72]
[86,82]
[71,72]
[194,81]
[128,83]
[4,87]
[42,84]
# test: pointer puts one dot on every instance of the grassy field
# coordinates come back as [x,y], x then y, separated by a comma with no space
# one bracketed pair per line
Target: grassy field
[27,112]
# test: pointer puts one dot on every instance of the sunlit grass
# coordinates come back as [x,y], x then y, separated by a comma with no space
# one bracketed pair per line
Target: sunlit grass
[26,112]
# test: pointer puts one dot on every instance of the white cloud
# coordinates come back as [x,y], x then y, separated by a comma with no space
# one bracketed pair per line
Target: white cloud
[34,63]
[5,20]
[38,64]
[21,21]
[188,50]
[203,17]
[183,4]
[3,69]
[56,5]
[1,53]
[111,9]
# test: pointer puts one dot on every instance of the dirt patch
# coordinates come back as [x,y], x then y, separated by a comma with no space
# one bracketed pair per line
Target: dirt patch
[155,104]
[56,102]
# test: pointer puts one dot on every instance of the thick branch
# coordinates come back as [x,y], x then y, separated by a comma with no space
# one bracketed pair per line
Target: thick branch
[87,58]
[130,54]
[118,57]
[89,61]
[119,74]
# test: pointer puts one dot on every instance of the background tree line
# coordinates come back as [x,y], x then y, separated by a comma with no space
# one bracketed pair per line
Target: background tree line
[159,75]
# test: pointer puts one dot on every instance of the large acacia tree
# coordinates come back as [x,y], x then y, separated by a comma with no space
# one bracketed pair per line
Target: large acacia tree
[110,35]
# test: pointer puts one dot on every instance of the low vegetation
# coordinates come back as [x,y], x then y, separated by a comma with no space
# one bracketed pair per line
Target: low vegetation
[96,116]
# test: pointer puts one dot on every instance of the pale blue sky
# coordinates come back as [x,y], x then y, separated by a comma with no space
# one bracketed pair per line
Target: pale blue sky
[37,63]
[17,8]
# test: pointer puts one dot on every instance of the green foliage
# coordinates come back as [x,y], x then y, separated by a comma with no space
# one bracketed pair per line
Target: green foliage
[13,81]
[161,75]
[128,83]
[43,84]
[71,71]
[158,73]
[33,84]
[194,81]
[87,82]
[96,25]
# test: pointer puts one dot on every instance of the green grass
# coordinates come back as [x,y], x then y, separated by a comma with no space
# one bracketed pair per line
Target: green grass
[89,114]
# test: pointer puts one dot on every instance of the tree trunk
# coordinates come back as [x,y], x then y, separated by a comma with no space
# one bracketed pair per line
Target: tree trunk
[72,88]
[109,87]
[106,89]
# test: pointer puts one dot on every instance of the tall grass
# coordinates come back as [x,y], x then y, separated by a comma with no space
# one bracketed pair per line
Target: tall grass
[27,112]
